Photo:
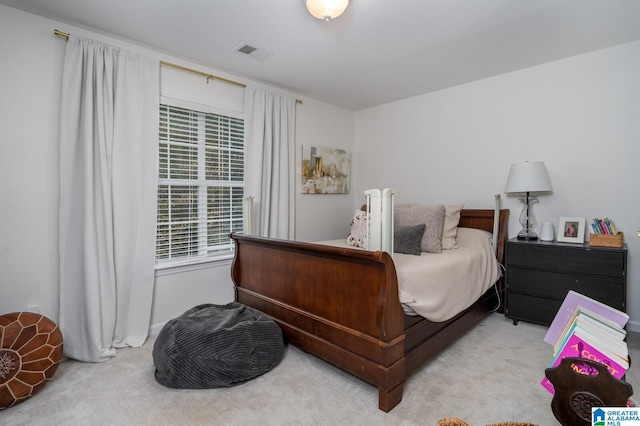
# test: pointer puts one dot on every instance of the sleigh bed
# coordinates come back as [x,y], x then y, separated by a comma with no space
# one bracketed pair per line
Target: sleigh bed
[342,304]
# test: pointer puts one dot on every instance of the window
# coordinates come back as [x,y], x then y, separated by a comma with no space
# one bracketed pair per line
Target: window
[201,183]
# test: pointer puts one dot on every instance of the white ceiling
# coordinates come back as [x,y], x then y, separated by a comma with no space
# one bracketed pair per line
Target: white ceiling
[378,51]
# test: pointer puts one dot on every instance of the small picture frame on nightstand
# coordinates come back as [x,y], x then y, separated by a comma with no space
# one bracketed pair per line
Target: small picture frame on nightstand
[571,230]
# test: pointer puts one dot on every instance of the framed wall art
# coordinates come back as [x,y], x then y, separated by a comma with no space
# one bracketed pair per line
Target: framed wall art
[325,170]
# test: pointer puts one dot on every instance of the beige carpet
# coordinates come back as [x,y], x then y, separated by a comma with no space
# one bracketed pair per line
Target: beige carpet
[491,375]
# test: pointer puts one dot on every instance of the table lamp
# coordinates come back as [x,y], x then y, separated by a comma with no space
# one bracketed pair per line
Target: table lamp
[525,178]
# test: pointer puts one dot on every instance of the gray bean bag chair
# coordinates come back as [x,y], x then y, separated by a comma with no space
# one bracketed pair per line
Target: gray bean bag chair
[212,346]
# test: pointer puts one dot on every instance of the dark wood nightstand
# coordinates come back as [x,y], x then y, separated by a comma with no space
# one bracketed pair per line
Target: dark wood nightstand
[539,275]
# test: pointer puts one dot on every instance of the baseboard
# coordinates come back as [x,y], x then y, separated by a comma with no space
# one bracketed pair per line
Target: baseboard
[633,326]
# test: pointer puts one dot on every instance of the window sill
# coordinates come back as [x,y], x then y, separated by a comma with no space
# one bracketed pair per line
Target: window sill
[170,268]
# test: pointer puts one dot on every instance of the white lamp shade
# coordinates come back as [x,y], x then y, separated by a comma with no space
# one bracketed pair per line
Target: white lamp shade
[327,9]
[529,176]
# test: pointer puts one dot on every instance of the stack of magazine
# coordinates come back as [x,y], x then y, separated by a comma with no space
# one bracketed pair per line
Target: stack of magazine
[586,328]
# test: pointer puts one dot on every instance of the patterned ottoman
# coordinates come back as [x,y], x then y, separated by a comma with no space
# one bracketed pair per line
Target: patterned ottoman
[30,351]
[212,346]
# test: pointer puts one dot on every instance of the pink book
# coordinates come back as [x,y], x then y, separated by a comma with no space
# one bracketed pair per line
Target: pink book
[565,312]
[576,347]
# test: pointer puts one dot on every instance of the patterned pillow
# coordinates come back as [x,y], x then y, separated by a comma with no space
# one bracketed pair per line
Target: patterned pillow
[431,216]
[358,235]
[407,239]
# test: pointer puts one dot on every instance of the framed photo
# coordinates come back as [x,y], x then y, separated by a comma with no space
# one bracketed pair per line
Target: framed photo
[571,230]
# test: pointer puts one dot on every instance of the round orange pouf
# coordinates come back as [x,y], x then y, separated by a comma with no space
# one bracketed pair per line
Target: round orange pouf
[30,351]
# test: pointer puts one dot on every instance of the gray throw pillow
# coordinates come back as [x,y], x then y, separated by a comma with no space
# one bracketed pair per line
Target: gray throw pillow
[431,216]
[407,239]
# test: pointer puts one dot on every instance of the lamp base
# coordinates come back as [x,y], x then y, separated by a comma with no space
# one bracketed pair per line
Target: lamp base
[527,236]
[527,219]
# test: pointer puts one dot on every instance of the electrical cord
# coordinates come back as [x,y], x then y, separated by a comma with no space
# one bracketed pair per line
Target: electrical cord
[495,288]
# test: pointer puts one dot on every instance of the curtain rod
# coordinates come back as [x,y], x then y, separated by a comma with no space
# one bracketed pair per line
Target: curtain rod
[180,67]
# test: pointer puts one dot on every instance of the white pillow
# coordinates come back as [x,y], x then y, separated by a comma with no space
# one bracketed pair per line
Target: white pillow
[450,228]
[358,235]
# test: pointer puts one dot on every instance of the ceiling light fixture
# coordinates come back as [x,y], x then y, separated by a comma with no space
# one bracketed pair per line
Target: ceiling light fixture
[326,9]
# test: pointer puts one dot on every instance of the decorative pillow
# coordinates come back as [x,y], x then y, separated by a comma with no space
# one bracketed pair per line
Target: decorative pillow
[358,230]
[431,216]
[407,239]
[450,228]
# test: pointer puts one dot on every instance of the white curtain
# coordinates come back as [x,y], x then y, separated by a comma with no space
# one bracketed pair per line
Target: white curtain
[270,161]
[108,189]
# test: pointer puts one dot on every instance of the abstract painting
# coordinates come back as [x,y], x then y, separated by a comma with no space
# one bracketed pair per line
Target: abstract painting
[325,170]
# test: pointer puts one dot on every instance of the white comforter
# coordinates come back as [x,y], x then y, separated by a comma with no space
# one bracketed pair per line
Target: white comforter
[439,286]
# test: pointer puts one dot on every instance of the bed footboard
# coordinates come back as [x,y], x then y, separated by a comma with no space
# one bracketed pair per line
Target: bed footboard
[342,304]
[339,304]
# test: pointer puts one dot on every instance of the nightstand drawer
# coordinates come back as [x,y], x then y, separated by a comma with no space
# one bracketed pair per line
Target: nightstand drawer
[610,263]
[531,309]
[554,285]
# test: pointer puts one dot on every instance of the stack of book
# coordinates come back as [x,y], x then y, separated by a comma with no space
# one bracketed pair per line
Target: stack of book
[586,328]
[603,226]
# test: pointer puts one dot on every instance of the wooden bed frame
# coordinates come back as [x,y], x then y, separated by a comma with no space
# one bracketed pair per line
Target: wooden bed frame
[342,304]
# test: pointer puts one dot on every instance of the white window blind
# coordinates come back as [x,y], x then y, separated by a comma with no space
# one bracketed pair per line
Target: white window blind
[201,183]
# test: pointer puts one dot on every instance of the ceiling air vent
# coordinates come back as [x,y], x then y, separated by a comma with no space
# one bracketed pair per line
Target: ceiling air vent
[254,52]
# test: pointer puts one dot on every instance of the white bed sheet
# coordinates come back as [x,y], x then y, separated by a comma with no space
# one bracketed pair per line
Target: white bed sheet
[439,286]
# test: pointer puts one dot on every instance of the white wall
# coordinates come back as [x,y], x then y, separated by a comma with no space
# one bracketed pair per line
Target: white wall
[579,115]
[31,60]
[29,174]
[324,217]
